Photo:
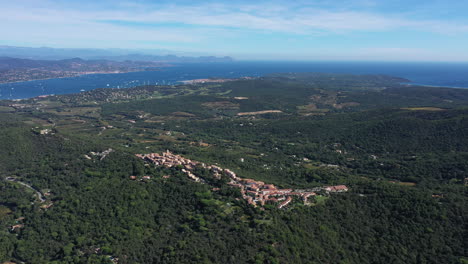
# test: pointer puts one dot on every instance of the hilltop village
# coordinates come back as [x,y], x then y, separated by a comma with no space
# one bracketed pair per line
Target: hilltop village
[256,193]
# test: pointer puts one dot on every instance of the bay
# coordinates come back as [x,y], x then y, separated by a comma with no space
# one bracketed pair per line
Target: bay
[431,74]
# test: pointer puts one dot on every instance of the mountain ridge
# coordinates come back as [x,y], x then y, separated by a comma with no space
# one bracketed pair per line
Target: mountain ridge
[47,53]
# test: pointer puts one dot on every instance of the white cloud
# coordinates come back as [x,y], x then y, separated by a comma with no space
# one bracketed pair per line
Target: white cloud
[49,21]
[274,17]
[281,19]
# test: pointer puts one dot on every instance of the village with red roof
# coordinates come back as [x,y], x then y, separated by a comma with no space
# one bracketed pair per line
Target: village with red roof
[256,193]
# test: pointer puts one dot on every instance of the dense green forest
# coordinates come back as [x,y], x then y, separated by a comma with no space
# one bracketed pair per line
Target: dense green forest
[402,151]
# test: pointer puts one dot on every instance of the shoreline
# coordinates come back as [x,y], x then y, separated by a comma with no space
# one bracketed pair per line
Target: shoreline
[435,86]
[78,75]
[4,87]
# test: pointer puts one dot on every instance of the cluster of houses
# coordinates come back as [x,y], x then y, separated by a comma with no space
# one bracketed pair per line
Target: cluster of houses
[256,193]
[100,155]
[167,159]
[337,188]
[143,178]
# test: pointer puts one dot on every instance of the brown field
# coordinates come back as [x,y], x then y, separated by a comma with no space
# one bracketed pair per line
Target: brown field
[146,141]
[182,114]
[410,184]
[38,121]
[201,144]
[424,109]
[72,111]
[259,112]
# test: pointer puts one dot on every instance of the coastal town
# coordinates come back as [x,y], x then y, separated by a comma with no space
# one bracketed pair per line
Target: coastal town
[20,70]
[256,193]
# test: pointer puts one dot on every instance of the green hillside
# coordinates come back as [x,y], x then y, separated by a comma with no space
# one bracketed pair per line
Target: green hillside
[401,150]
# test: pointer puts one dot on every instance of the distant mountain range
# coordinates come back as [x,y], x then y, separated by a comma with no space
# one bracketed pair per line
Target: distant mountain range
[45,53]
[167,58]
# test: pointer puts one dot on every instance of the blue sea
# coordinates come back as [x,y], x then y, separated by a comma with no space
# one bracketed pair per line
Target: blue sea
[431,74]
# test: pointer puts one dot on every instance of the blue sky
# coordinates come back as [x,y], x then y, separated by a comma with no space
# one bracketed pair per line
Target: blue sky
[384,30]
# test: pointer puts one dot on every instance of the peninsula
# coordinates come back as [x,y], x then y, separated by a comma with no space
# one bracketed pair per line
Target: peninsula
[21,70]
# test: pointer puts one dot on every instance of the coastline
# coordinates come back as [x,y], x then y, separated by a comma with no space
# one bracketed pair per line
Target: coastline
[438,76]
[79,75]
[435,86]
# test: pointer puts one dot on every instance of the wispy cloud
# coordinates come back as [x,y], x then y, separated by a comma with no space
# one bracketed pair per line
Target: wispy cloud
[289,18]
[196,24]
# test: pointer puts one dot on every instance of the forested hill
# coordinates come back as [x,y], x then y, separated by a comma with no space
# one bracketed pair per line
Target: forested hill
[400,150]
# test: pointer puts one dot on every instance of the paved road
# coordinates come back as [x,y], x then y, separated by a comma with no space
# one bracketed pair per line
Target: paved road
[40,196]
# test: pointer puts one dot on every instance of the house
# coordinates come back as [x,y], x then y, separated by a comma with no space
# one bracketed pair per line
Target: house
[337,188]
[283,191]
[133,177]
[45,131]
[283,204]
[306,195]
[13,228]
[252,193]
[251,201]
[253,187]
[47,206]
[272,200]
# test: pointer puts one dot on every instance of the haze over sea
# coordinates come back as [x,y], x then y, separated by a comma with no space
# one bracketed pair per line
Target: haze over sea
[433,74]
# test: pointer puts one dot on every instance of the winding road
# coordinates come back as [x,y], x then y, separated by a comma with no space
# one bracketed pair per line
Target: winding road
[39,195]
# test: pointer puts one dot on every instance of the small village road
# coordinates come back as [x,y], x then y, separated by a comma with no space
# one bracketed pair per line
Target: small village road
[39,195]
